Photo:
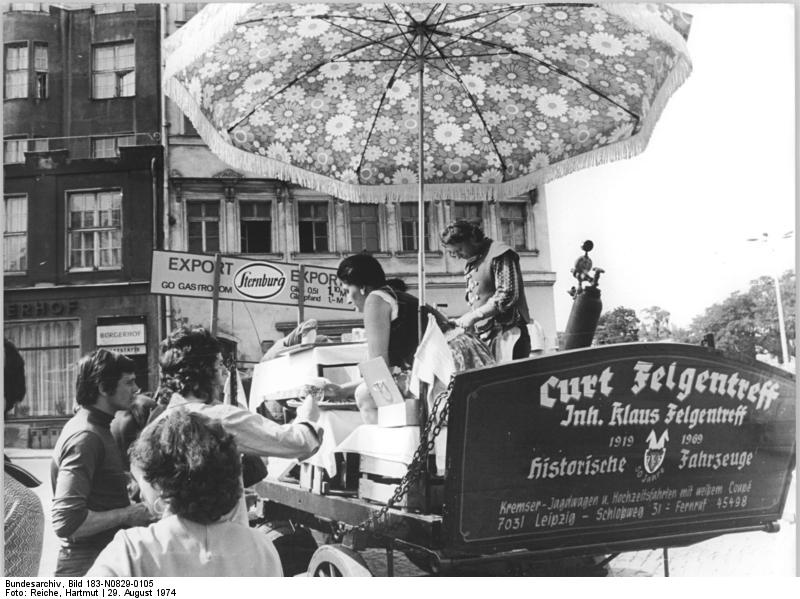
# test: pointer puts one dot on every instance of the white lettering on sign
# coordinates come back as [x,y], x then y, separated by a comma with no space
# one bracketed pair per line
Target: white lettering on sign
[575,388]
[732,385]
[259,280]
[130,350]
[120,334]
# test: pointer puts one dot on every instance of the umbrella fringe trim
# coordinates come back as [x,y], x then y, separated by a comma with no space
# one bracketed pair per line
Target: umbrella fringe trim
[379,194]
[650,23]
[182,48]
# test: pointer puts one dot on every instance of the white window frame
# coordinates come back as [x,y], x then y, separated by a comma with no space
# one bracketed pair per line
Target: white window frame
[270,218]
[15,234]
[351,221]
[430,221]
[329,221]
[119,72]
[97,230]
[27,7]
[105,9]
[526,206]
[203,220]
[41,70]
[118,141]
[17,157]
[19,89]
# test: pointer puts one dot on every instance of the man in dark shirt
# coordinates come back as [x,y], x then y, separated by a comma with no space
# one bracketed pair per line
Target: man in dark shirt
[90,497]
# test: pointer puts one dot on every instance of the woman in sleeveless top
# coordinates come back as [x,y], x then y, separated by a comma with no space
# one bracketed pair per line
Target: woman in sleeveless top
[390,322]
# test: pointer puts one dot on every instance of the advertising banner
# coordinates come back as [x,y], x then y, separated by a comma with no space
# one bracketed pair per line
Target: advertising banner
[246,280]
[617,443]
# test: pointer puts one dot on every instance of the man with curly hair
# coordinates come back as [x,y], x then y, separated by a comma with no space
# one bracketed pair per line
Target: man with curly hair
[90,494]
[188,470]
[192,369]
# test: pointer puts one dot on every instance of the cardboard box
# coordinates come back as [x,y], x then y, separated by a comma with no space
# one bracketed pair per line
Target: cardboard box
[381,467]
[382,491]
[405,413]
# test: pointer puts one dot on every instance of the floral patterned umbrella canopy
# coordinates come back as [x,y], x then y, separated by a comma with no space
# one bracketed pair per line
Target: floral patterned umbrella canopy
[332,96]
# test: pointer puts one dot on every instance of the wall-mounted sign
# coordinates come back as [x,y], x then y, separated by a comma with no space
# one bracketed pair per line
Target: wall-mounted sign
[130,350]
[120,334]
[246,280]
[45,309]
[617,444]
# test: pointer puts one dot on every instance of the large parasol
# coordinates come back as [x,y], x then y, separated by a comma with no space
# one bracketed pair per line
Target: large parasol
[487,101]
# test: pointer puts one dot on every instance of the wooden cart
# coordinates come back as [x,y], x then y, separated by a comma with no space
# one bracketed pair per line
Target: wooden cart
[554,461]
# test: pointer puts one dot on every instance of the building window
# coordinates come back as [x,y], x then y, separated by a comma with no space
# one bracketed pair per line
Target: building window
[313,225]
[15,235]
[512,225]
[256,227]
[16,80]
[95,230]
[39,145]
[108,147]
[40,69]
[14,150]
[113,74]
[28,7]
[103,9]
[409,222]
[186,11]
[203,226]
[51,350]
[364,231]
[469,211]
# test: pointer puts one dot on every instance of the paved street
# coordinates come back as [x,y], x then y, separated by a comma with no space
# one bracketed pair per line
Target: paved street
[743,554]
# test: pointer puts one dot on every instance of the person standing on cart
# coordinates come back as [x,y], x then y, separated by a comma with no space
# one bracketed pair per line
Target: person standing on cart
[495,290]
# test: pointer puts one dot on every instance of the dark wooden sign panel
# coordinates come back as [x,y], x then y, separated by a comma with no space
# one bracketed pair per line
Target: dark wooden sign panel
[618,444]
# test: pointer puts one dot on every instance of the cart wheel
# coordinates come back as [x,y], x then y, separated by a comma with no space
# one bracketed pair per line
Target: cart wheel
[295,546]
[337,560]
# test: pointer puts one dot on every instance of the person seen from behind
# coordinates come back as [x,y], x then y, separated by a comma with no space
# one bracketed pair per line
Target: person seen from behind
[188,468]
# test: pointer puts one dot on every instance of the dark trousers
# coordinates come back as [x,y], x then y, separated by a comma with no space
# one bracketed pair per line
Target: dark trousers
[75,561]
[522,348]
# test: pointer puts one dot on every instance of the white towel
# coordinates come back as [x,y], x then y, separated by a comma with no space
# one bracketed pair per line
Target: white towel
[433,360]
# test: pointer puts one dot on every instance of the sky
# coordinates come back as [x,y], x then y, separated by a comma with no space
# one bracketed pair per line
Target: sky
[670,226]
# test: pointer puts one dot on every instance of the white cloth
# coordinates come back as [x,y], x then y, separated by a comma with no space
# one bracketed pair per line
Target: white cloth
[504,345]
[279,378]
[174,546]
[396,444]
[241,398]
[389,299]
[337,426]
[538,339]
[433,361]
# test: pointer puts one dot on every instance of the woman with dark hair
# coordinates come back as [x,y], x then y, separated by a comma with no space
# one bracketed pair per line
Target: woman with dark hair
[192,377]
[390,321]
[187,467]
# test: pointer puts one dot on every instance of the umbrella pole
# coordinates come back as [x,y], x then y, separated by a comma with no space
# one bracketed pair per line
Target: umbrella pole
[423,388]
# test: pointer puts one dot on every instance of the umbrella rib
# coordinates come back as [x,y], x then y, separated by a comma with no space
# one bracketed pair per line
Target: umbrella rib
[470,33]
[377,114]
[293,82]
[557,70]
[397,24]
[474,105]
[379,42]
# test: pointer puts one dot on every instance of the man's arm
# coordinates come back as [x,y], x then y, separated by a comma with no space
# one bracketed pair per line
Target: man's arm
[257,435]
[132,515]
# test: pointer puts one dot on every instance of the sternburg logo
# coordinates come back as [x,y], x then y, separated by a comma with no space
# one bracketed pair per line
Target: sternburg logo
[259,280]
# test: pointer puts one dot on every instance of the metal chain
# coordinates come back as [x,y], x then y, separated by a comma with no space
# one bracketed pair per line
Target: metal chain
[376,523]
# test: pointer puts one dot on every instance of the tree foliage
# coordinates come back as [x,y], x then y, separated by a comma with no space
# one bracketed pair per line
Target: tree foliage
[747,322]
[620,325]
[655,324]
